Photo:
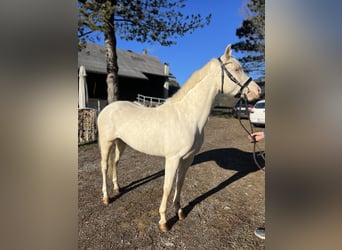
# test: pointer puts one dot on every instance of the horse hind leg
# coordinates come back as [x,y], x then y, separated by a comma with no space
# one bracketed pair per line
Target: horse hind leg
[115,154]
[105,148]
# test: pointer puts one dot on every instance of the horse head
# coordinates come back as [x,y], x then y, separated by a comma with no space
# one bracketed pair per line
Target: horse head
[234,80]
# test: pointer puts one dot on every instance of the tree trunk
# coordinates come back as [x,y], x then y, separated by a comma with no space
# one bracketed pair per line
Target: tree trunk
[112,62]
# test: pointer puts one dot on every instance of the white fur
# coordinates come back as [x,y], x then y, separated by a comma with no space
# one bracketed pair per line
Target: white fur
[173,130]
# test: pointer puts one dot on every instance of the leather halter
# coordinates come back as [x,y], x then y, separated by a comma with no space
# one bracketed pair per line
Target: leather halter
[233,79]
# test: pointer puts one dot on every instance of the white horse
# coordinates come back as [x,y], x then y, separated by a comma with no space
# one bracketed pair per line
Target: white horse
[173,130]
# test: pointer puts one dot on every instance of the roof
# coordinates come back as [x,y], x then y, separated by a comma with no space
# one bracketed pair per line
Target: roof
[131,64]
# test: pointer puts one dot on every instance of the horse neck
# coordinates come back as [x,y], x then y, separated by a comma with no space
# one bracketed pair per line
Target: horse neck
[196,104]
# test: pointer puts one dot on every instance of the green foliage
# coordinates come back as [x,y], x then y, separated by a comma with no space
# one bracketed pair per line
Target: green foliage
[141,20]
[174,83]
[252,38]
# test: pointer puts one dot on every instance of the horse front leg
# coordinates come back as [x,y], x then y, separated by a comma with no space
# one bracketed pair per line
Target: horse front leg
[171,166]
[183,168]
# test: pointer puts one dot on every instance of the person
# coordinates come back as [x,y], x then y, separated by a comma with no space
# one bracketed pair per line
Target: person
[255,137]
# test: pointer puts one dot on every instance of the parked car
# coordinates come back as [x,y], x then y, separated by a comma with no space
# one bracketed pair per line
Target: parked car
[257,113]
[239,110]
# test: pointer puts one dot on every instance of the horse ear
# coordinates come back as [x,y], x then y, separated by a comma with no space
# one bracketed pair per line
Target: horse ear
[228,53]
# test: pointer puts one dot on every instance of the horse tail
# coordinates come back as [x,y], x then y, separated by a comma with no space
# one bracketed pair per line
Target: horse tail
[103,146]
[111,160]
[116,150]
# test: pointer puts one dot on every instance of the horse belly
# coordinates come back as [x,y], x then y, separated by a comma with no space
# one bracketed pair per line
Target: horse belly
[143,133]
[143,142]
[157,138]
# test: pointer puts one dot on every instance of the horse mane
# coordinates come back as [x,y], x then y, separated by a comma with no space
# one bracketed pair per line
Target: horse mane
[195,78]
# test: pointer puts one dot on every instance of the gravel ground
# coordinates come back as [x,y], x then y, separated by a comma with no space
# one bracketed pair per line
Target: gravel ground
[223,197]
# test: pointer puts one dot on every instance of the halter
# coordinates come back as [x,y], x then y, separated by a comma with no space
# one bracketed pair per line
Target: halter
[238,95]
[231,77]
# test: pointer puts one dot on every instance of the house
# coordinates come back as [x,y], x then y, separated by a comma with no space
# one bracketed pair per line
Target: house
[139,73]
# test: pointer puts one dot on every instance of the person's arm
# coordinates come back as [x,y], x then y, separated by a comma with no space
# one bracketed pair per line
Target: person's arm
[257,136]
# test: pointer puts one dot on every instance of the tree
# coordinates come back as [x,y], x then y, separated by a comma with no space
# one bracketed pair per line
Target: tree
[140,20]
[174,83]
[252,36]
[173,87]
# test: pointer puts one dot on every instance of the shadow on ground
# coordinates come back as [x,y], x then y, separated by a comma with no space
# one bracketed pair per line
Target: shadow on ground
[227,158]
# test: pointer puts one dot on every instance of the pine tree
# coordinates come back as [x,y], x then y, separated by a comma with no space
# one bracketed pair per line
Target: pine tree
[252,38]
[141,20]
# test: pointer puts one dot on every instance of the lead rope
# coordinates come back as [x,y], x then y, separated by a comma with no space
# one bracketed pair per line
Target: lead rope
[262,154]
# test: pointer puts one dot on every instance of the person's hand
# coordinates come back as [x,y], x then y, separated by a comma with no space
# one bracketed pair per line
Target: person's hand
[257,136]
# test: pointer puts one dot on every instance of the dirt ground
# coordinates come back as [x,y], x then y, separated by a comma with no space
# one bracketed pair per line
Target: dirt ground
[223,197]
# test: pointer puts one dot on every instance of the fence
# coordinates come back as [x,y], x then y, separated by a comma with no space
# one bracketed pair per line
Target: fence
[150,101]
[87,130]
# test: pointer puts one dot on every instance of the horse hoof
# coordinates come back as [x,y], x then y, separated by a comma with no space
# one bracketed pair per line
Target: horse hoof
[116,190]
[164,228]
[181,215]
[106,201]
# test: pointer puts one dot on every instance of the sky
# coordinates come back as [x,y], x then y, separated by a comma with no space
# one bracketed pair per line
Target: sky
[193,51]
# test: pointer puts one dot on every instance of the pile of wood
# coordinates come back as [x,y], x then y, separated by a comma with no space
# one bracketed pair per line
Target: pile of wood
[87,131]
